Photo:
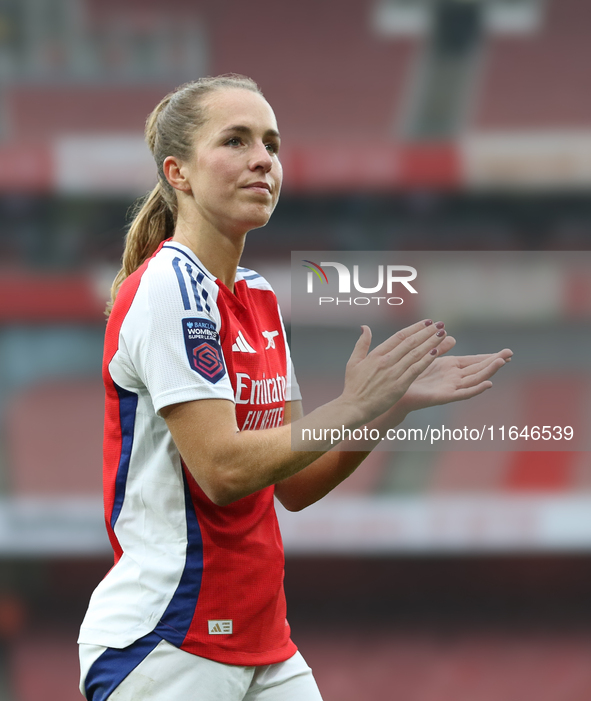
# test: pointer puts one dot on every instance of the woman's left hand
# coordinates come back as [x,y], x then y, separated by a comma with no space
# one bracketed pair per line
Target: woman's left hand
[452,378]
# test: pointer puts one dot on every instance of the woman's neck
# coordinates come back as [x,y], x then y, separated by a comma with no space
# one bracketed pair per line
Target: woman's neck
[218,252]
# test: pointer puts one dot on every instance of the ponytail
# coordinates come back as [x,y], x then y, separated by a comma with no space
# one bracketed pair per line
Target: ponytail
[153,222]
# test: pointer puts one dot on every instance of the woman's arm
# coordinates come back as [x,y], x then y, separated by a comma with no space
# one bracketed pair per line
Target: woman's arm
[447,380]
[321,476]
[229,464]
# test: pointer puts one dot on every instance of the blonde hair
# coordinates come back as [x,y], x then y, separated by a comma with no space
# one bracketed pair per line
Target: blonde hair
[170,131]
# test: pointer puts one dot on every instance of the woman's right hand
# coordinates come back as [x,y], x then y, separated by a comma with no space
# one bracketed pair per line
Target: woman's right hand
[376,380]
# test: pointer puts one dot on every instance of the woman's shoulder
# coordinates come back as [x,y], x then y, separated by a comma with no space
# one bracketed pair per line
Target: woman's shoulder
[169,281]
[174,271]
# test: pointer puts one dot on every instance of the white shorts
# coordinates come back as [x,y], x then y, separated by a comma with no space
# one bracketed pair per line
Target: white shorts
[151,669]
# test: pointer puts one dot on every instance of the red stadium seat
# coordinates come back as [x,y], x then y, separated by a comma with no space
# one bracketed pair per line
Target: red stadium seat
[45,666]
[54,438]
[462,666]
[542,81]
[340,81]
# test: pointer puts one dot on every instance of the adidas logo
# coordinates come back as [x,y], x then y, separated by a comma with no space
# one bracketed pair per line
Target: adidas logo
[242,345]
[220,627]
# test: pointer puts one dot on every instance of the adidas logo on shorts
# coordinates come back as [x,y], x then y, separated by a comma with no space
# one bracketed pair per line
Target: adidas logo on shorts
[220,627]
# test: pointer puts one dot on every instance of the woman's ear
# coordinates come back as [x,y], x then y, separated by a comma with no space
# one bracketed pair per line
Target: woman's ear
[175,174]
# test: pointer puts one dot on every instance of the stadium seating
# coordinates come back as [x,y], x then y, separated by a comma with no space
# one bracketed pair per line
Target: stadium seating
[44,665]
[54,439]
[463,665]
[330,93]
[503,471]
[38,114]
[539,82]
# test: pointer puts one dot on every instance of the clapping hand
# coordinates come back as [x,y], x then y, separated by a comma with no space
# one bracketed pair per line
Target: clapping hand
[453,378]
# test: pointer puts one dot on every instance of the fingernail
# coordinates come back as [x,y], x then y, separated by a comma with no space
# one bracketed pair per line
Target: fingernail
[434,351]
[440,333]
[439,325]
[428,322]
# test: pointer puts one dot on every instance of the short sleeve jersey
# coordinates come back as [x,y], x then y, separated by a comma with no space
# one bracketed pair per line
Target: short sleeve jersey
[206,578]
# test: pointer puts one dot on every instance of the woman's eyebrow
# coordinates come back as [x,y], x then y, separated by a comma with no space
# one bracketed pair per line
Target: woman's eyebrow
[241,129]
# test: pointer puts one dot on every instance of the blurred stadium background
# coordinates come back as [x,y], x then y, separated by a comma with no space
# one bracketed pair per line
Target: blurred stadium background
[406,125]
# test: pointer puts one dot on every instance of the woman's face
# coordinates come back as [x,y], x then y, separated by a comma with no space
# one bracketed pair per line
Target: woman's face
[234,173]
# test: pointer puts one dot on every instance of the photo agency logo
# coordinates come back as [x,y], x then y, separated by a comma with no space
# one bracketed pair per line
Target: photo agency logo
[387,278]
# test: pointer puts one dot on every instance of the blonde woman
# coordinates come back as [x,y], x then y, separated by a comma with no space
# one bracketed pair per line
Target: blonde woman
[194,606]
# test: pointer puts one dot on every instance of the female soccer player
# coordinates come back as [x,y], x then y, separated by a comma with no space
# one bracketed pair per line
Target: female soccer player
[194,606]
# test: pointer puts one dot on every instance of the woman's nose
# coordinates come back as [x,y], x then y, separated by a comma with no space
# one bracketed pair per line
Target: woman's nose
[261,158]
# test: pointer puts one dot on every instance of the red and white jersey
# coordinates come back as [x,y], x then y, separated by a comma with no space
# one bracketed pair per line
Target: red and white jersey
[208,579]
